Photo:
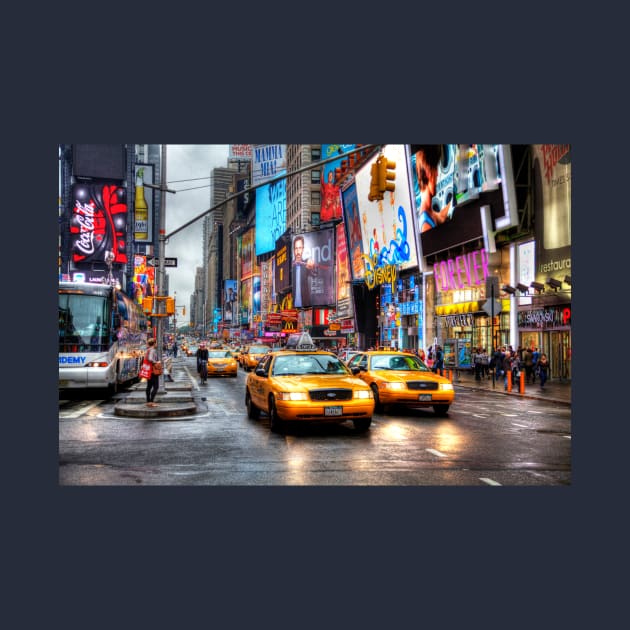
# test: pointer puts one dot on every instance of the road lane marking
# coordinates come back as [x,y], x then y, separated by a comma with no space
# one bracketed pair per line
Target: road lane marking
[434,452]
[490,482]
[80,411]
[516,424]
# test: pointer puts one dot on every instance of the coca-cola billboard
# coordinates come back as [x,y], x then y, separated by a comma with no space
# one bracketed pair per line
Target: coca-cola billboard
[98,223]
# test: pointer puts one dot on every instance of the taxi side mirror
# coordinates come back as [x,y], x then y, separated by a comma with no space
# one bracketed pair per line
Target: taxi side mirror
[355,370]
[260,372]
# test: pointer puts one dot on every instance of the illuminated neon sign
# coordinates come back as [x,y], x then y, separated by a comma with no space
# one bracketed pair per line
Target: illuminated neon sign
[467,270]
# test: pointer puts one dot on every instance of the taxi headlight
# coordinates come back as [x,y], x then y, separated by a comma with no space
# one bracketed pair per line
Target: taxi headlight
[446,387]
[292,396]
[396,386]
[362,393]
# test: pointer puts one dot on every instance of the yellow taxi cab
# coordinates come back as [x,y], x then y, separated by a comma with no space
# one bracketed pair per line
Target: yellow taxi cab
[399,378]
[253,354]
[301,383]
[221,363]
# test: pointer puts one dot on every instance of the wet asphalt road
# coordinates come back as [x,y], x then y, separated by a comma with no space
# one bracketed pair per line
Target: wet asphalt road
[486,440]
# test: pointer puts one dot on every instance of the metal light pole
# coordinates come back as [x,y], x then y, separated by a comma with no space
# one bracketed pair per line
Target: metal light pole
[161,304]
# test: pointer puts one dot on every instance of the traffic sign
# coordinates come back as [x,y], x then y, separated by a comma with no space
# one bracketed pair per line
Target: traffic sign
[152,261]
[488,307]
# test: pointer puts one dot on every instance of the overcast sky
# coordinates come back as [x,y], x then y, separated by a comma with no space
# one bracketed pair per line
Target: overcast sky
[188,162]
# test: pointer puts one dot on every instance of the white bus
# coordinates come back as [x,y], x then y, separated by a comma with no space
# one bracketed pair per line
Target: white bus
[102,336]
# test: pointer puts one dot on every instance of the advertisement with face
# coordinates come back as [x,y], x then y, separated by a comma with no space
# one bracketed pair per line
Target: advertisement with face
[331,193]
[313,269]
[354,233]
[229,301]
[389,236]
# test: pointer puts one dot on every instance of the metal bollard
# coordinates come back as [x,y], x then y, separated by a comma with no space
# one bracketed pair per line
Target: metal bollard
[522,383]
[509,380]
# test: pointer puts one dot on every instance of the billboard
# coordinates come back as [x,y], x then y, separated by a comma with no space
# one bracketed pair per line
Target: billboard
[240,152]
[452,184]
[143,203]
[387,225]
[331,193]
[247,253]
[552,209]
[269,161]
[313,269]
[344,308]
[102,161]
[98,223]
[283,262]
[352,223]
[271,215]
[230,294]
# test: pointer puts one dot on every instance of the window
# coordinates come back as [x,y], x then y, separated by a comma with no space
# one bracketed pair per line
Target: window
[315,176]
[316,198]
[316,154]
[315,219]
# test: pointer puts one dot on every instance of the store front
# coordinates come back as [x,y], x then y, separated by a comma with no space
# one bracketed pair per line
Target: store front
[548,328]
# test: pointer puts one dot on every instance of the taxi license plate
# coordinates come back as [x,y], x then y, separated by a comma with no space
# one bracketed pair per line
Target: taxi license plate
[333,411]
[424,397]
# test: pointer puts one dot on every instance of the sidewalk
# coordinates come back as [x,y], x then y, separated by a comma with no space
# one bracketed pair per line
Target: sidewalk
[554,391]
[176,399]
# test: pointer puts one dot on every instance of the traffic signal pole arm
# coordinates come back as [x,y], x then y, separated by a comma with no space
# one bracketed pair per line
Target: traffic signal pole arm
[308,167]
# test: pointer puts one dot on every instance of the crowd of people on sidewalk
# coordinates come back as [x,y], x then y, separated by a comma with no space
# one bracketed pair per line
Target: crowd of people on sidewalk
[506,360]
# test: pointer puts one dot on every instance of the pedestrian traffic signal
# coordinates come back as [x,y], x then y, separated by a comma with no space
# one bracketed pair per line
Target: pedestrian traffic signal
[386,177]
[375,192]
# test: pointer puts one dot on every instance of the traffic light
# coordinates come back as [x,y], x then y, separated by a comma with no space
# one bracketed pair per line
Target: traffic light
[170,306]
[147,304]
[375,192]
[183,310]
[382,179]
[386,177]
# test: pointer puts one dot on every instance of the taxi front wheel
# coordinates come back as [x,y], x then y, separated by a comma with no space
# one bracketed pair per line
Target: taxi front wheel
[441,410]
[275,422]
[253,413]
[362,424]
[377,403]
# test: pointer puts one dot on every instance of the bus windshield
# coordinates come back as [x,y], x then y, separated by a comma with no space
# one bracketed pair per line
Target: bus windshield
[84,323]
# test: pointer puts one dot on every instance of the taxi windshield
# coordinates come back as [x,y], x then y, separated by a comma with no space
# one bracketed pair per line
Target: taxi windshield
[219,354]
[298,364]
[398,362]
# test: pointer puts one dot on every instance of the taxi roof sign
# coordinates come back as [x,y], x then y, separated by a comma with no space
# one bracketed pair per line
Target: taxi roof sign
[300,341]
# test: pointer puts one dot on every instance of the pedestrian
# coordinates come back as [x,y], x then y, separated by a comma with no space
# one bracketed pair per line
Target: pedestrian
[535,359]
[476,363]
[506,367]
[430,358]
[438,366]
[485,360]
[153,382]
[175,349]
[528,361]
[543,369]
[202,362]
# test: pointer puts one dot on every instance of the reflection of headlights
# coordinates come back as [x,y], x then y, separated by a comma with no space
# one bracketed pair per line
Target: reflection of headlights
[361,393]
[292,396]
[396,386]
[446,387]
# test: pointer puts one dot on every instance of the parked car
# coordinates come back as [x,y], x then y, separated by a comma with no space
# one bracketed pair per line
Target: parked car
[253,355]
[400,378]
[221,363]
[304,384]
